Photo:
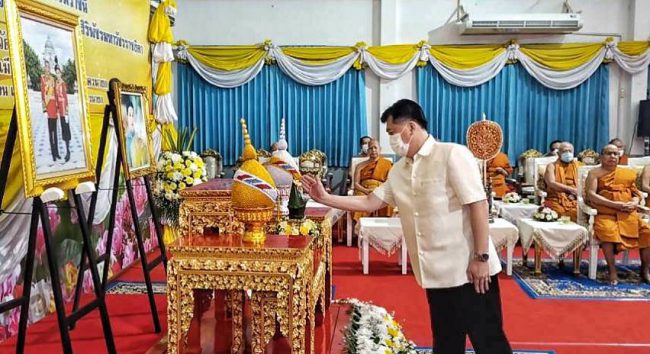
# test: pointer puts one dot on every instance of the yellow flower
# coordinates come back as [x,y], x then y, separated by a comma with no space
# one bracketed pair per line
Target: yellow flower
[304,229]
[393,332]
[189,181]
[181,185]
[199,163]
[388,351]
[188,163]
[389,343]
[170,175]
[197,175]
[178,166]
[187,172]
[172,186]
[169,168]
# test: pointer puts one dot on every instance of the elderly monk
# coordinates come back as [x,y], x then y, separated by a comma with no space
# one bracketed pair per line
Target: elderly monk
[498,169]
[622,158]
[612,191]
[561,177]
[370,174]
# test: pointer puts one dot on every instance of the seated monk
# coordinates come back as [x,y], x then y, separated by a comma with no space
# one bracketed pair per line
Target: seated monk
[369,175]
[498,169]
[612,191]
[561,177]
[622,158]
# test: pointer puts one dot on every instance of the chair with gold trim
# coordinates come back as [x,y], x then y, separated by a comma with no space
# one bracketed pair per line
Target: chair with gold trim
[537,166]
[589,157]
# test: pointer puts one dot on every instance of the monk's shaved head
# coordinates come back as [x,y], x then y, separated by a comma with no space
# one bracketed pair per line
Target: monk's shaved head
[566,146]
[608,149]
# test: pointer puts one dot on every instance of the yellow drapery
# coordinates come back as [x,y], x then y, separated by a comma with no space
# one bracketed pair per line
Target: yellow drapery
[317,55]
[467,56]
[633,48]
[163,85]
[394,54]
[562,56]
[230,58]
[160,29]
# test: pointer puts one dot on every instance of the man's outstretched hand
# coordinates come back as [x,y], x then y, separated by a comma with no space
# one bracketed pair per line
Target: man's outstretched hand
[314,187]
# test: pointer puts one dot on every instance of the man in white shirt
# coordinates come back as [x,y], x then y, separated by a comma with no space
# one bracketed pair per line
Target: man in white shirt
[444,214]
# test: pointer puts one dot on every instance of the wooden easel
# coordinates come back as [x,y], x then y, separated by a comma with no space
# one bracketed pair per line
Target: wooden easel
[39,211]
[111,110]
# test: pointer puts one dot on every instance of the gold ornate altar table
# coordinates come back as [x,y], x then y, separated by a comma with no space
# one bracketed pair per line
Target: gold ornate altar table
[285,275]
[208,205]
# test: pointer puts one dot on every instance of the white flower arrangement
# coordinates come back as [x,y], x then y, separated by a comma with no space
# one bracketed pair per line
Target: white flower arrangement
[175,172]
[546,214]
[512,197]
[373,330]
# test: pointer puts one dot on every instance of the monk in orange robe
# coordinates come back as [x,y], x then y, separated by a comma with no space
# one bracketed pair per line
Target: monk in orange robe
[612,191]
[498,169]
[561,180]
[369,175]
[645,182]
[622,159]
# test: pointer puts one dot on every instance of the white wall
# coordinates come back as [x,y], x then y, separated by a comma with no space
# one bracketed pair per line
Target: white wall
[381,22]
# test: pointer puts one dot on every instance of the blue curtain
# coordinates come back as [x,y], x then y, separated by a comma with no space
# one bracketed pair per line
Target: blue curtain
[530,114]
[330,117]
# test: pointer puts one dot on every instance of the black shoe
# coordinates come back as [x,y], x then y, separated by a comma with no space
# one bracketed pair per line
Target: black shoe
[67,156]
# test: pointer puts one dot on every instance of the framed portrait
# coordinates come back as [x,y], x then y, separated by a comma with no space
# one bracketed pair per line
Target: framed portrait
[45,47]
[133,122]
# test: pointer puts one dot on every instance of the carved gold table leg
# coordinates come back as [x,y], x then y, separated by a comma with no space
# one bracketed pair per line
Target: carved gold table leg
[173,307]
[538,258]
[262,306]
[577,254]
[237,303]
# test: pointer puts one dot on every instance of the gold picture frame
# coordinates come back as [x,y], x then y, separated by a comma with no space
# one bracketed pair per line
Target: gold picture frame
[131,104]
[50,108]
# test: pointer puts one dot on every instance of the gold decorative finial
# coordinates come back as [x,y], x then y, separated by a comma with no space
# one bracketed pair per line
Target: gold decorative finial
[249,151]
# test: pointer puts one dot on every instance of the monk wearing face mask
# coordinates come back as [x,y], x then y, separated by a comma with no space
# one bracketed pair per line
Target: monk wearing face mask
[561,178]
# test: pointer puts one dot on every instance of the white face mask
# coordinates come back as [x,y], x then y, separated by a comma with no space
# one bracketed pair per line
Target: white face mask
[364,148]
[621,152]
[398,145]
[567,157]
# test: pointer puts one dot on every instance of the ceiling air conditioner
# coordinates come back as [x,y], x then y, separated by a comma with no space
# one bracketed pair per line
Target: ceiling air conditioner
[521,23]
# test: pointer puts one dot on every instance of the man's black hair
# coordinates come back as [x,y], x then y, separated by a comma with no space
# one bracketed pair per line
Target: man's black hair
[364,137]
[405,110]
[550,146]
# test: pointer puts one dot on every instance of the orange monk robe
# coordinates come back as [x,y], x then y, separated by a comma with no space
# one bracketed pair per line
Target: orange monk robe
[623,160]
[626,230]
[499,186]
[371,176]
[564,204]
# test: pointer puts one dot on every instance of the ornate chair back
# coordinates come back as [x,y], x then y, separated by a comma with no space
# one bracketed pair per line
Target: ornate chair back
[538,168]
[638,161]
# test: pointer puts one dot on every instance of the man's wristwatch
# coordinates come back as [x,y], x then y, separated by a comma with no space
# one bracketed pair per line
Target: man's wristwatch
[481,257]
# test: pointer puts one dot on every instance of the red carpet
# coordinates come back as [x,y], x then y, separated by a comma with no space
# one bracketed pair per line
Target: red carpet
[566,327]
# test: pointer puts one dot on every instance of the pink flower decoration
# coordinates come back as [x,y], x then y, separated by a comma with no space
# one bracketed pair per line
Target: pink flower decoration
[88,282]
[101,244]
[152,233]
[55,220]
[129,255]
[140,195]
[12,322]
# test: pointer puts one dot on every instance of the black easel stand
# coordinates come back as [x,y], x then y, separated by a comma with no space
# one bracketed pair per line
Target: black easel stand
[39,211]
[109,111]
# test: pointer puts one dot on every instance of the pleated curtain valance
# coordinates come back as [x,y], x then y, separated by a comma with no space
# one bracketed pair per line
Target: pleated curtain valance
[556,66]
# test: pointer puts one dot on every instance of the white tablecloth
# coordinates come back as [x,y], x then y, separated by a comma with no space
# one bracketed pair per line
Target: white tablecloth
[556,238]
[383,234]
[503,233]
[334,214]
[515,211]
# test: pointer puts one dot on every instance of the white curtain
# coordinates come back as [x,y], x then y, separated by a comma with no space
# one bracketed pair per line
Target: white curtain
[312,75]
[471,77]
[164,110]
[632,65]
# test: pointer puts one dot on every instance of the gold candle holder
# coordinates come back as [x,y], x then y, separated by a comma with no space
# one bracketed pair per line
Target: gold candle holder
[254,220]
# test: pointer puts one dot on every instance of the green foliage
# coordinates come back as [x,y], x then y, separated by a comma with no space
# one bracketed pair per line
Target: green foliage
[34,68]
[184,141]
